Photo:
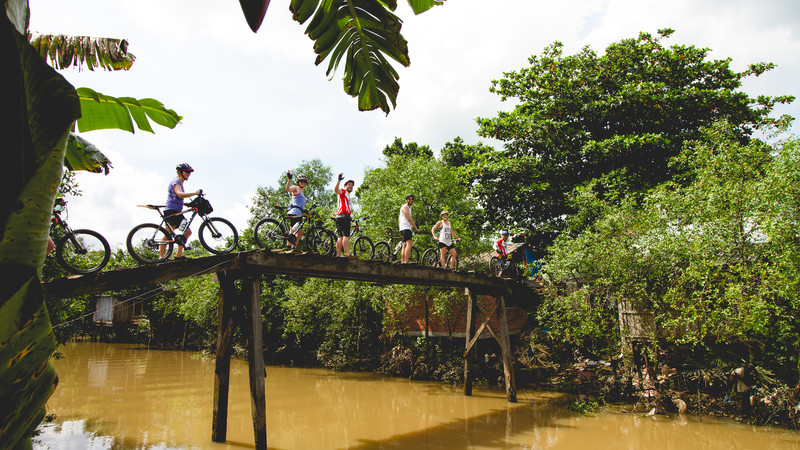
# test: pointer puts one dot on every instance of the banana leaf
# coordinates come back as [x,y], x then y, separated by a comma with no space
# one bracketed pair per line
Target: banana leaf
[83,155]
[100,111]
[40,109]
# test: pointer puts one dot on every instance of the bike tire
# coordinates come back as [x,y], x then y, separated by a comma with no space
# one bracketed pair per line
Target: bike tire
[91,256]
[430,258]
[494,266]
[144,240]
[223,241]
[448,261]
[269,234]
[320,240]
[413,257]
[363,248]
[382,252]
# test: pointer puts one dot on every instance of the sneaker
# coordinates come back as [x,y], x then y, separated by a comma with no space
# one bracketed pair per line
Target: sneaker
[181,258]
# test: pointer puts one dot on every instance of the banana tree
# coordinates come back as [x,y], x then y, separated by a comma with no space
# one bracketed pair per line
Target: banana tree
[40,108]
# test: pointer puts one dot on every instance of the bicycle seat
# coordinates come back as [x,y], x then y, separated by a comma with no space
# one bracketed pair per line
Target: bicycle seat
[152,206]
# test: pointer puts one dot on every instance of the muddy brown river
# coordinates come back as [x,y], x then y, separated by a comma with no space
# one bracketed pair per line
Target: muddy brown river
[117,396]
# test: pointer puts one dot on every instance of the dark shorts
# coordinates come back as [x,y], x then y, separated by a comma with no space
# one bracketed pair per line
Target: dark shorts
[294,220]
[343,222]
[448,247]
[173,221]
[407,235]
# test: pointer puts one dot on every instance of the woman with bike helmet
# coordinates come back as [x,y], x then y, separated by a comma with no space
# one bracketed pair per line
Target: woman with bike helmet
[174,205]
[296,206]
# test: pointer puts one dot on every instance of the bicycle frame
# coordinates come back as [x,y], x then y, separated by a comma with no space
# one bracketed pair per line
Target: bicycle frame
[285,219]
[194,213]
[59,222]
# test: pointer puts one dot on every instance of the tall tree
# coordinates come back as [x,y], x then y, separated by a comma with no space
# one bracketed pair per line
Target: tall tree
[613,120]
[715,259]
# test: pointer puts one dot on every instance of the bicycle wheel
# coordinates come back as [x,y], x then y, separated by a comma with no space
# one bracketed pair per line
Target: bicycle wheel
[320,240]
[218,235]
[414,256]
[84,251]
[146,241]
[269,234]
[382,252]
[430,258]
[494,266]
[363,248]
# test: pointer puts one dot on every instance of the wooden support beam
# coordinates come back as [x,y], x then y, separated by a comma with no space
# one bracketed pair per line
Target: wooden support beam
[480,329]
[222,367]
[508,364]
[251,293]
[470,353]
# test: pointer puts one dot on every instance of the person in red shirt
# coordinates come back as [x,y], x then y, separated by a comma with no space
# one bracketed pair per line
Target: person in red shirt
[500,245]
[343,215]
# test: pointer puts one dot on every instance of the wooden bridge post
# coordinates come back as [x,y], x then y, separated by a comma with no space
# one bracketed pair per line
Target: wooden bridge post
[222,368]
[505,345]
[471,353]
[251,288]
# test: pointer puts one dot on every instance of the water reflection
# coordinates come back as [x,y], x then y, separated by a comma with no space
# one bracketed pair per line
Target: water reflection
[122,397]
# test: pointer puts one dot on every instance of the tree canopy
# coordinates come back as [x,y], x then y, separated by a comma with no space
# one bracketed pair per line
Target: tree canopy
[715,260]
[612,120]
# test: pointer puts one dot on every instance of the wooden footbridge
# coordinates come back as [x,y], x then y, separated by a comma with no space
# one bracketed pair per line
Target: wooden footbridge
[241,306]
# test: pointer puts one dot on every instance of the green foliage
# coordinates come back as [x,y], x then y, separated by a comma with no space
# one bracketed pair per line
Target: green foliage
[100,111]
[609,121]
[410,150]
[334,317]
[318,191]
[584,407]
[715,261]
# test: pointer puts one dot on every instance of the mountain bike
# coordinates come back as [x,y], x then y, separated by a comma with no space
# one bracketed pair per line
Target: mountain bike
[272,233]
[432,256]
[150,243]
[79,251]
[388,251]
[361,245]
[504,265]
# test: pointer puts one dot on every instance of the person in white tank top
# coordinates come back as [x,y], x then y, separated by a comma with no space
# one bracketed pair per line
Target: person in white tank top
[446,238]
[406,224]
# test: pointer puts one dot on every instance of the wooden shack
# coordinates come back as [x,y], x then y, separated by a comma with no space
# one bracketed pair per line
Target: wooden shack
[109,311]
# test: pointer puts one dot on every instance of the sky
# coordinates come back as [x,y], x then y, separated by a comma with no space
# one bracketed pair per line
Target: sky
[255,105]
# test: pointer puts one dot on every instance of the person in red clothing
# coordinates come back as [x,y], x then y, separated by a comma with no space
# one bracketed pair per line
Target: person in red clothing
[500,245]
[343,212]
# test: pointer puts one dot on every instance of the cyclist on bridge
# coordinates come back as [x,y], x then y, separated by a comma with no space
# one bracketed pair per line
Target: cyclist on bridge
[406,225]
[500,248]
[343,213]
[296,207]
[445,240]
[500,245]
[59,206]
[175,196]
